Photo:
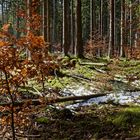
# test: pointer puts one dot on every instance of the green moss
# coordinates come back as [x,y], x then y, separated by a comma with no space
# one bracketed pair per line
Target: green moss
[60,83]
[85,71]
[128,63]
[127,117]
[42,120]
[132,69]
[54,83]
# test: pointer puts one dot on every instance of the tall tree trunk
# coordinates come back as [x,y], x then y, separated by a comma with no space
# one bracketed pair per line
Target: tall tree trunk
[122,41]
[78,30]
[92,18]
[130,28]
[66,33]
[136,33]
[136,24]
[45,19]
[2,10]
[48,21]
[111,34]
[6,13]
[101,19]
[72,27]
[17,21]
[114,28]
[28,8]
[54,22]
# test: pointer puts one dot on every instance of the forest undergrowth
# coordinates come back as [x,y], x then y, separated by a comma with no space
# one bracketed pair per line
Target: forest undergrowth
[103,121]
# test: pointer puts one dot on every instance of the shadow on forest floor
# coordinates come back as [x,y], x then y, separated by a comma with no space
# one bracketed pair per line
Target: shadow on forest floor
[91,123]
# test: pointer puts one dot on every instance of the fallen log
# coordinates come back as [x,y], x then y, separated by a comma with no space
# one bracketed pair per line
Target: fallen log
[94,64]
[79,76]
[73,98]
[100,71]
[50,100]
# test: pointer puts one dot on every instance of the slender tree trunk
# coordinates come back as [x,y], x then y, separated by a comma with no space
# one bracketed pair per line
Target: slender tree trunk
[17,22]
[78,30]
[28,15]
[92,18]
[45,19]
[28,25]
[114,28]
[101,19]
[54,22]
[125,25]
[72,27]
[2,10]
[130,31]
[111,34]
[136,34]
[122,41]
[66,32]
[48,21]
[105,20]
[6,13]
[92,21]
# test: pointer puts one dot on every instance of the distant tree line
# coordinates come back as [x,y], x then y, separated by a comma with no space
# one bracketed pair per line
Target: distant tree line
[109,27]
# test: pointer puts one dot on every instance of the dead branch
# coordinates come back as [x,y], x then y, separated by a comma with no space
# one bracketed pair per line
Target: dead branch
[78,76]
[94,64]
[50,100]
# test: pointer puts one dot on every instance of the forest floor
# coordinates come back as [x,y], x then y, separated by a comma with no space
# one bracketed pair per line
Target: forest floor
[95,120]
[104,120]
[91,123]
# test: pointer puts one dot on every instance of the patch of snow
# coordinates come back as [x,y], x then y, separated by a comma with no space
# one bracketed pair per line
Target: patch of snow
[120,98]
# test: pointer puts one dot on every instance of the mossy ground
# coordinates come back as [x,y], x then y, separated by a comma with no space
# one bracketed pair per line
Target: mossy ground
[94,122]
[96,76]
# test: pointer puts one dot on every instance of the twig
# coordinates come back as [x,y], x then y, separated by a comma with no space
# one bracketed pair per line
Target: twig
[12,106]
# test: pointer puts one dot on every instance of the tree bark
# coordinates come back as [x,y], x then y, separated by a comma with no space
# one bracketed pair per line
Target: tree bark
[72,26]
[101,19]
[48,20]
[2,11]
[54,22]
[78,31]
[122,41]
[66,33]
[130,26]
[17,22]
[112,31]
[92,18]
